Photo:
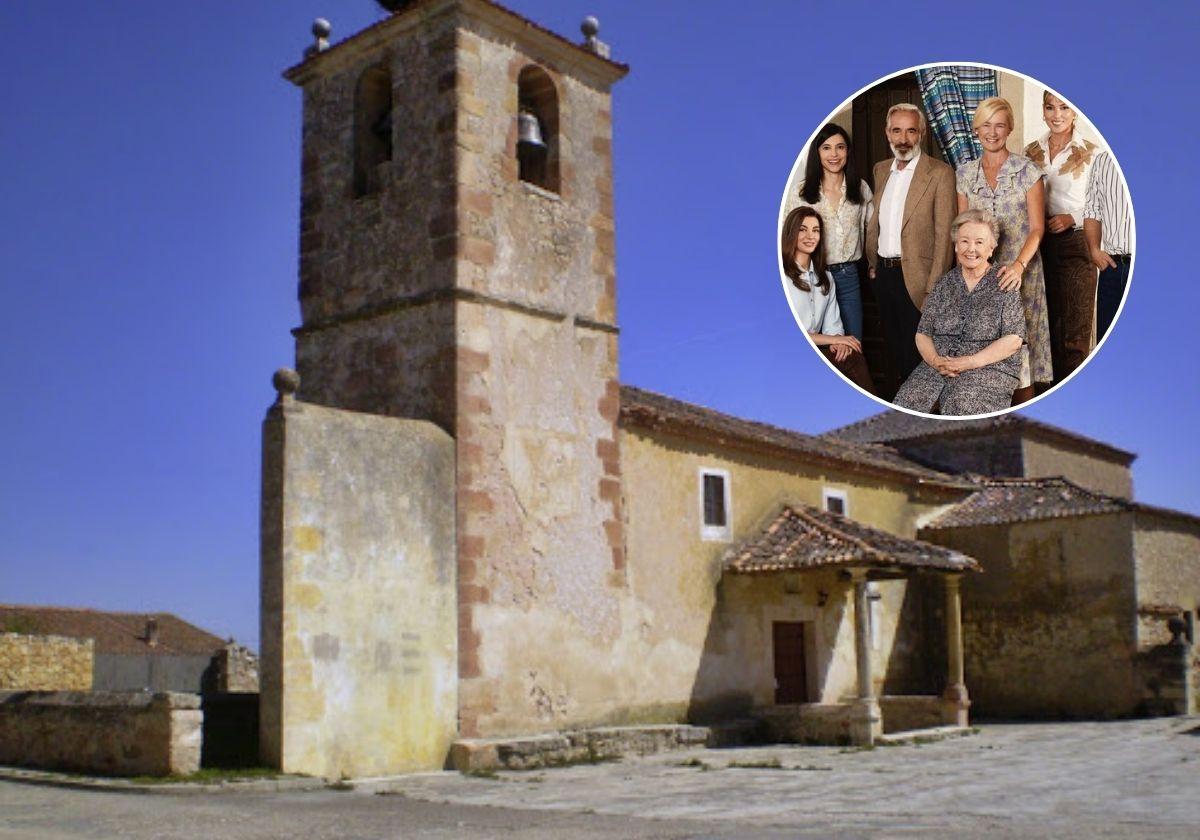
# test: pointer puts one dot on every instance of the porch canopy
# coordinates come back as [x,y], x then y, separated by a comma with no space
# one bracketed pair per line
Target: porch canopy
[803,538]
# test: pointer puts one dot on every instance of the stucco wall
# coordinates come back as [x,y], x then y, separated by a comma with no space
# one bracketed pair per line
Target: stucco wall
[358,593]
[45,663]
[1086,469]
[712,645]
[1167,559]
[1048,628]
[111,733]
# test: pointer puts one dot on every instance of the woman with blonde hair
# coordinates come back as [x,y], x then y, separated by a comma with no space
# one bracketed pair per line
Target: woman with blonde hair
[1065,159]
[1009,187]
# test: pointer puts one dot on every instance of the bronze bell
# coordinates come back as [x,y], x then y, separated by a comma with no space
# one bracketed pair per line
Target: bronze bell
[529,132]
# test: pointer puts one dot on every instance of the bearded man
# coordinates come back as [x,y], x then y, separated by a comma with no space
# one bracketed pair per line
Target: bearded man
[908,238]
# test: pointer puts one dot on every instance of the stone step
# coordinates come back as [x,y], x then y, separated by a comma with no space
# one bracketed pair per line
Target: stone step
[579,746]
[923,736]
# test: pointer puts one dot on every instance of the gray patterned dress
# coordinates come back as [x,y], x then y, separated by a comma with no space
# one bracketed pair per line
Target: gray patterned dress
[963,321]
[1007,203]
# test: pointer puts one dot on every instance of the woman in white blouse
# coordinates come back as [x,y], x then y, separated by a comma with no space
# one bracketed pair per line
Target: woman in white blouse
[812,294]
[1065,158]
[832,186]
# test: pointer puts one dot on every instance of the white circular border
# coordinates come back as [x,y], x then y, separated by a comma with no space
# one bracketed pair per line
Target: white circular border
[1078,115]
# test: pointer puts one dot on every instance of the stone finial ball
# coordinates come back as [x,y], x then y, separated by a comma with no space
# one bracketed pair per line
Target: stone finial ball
[286,381]
[321,28]
[590,26]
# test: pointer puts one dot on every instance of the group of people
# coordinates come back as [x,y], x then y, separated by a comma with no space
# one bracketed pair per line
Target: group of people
[986,278]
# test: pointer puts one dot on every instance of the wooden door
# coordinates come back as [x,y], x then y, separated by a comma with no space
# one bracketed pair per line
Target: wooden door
[791,675]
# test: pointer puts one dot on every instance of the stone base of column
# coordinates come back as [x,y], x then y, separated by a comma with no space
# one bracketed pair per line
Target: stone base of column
[955,703]
[866,722]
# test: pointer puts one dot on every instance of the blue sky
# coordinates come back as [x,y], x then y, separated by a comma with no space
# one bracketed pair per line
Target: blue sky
[149,243]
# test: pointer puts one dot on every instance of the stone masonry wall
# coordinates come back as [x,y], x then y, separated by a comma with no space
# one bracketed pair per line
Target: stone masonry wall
[45,663]
[1103,475]
[994,455]
[1167,552]
[109,733]
[1048,628]
[359,658]
[376,270]
[541,545]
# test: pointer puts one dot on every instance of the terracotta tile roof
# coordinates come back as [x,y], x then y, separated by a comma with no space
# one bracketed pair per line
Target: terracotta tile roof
[112,632]
[648,410]
[896,426]
[1001,501]
[803,537]
[507,12]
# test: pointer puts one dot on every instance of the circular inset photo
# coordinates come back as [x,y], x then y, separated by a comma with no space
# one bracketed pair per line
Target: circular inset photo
[956,240]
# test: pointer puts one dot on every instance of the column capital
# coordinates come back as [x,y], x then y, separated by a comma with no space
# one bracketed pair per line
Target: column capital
[858,574]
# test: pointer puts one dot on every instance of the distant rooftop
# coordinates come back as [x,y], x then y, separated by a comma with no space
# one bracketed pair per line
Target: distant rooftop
[1002,501]
[897,427]
[112,632]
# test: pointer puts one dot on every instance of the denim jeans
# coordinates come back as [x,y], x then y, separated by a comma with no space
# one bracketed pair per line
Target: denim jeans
[849,297]
[1108,294]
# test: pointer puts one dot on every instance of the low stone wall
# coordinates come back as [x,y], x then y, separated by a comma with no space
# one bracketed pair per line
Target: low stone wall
[109,733]
[809,723]
[1168,681]
[576,747]
[902,713]
[45,663]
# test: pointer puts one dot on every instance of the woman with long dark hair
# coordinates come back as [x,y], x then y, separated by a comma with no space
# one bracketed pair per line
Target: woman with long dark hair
[811,292]
[832,187]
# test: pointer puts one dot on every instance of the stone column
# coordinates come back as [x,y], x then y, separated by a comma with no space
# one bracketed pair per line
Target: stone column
[866,722]
[955,701]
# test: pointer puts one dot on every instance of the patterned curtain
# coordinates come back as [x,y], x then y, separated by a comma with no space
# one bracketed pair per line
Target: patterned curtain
[951,94]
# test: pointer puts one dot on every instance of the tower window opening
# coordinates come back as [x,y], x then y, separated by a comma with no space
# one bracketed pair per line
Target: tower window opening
[373,128]
[537,129]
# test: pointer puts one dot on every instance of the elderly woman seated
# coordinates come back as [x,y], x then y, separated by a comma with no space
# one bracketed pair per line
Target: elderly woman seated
[970,331]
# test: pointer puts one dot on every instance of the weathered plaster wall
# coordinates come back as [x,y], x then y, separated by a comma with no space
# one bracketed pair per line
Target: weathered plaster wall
[45,663]
[713,646]
[358,593]
[540,547]
[1089,470]
[1167,560]
[110,733]
[1048,628]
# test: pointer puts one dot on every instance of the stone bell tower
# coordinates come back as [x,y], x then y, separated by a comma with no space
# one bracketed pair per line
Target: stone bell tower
[457,267]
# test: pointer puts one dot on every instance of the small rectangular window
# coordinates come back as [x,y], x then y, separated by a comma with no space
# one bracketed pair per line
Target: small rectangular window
[835,501]
[714,501]
[714,504]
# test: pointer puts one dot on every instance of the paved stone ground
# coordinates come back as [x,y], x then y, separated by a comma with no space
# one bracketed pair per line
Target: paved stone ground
[1077,780]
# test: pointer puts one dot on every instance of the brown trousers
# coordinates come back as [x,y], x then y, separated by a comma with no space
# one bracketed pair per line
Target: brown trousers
[1070,300]
[853,368]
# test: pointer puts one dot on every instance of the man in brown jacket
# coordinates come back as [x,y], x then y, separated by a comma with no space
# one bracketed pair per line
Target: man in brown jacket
[908,238]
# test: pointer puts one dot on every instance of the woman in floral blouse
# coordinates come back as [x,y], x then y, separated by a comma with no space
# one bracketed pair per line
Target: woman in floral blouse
[1065,159]
[1009,187]
[970,332]
[831,185]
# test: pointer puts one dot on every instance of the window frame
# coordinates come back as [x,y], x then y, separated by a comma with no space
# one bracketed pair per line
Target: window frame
[828,493]
[715,533]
